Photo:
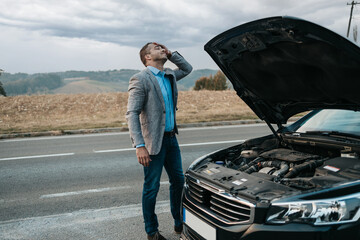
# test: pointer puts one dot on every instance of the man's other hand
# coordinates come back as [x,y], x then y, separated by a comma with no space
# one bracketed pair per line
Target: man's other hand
[143,156]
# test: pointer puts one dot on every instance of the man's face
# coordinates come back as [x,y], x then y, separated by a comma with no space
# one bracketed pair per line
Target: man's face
[157,52]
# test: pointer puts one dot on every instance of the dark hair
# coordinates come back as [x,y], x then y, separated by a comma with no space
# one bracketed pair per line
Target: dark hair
[144,50]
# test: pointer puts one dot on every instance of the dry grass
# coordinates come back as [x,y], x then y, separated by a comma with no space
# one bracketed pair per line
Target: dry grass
[205,106]
[80,111]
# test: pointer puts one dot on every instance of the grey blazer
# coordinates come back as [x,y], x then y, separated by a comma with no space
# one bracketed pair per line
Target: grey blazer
[146,108]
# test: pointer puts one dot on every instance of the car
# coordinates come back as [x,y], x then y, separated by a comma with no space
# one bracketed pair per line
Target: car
[301,181]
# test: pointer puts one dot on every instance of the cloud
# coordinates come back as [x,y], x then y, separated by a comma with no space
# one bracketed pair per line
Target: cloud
[129,23]
[52,28]
[31,52]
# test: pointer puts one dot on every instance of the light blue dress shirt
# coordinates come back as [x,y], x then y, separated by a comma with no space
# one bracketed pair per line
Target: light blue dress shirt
[166,91]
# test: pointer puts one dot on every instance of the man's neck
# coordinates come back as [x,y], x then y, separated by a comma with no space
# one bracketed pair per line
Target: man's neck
[156,65]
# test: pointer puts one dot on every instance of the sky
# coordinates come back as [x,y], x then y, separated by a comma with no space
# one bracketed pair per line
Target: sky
[39,36]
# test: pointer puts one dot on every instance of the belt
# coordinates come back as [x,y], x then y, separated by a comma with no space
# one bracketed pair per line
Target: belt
[170,134]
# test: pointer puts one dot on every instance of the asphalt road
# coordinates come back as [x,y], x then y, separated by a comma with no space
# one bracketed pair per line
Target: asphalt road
[89,186]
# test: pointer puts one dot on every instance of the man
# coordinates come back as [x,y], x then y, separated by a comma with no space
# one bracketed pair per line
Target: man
[150,115]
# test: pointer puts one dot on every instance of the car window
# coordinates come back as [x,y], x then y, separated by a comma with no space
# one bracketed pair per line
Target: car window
[345,121]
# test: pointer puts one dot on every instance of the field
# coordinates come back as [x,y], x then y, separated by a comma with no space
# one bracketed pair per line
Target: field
[21,114]
[90,86]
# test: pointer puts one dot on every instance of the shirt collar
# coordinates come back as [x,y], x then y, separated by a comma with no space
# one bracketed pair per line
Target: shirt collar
[155,71]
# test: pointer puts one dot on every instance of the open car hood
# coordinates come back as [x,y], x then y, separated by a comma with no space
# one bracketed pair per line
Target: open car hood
[282,66]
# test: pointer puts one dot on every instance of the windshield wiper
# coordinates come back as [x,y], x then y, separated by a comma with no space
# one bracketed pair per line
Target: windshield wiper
[347,136]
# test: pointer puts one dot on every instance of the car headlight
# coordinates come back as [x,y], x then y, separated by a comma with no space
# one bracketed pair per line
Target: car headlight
[320,212]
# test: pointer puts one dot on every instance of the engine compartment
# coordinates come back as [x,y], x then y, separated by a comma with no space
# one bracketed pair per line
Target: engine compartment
[296,168]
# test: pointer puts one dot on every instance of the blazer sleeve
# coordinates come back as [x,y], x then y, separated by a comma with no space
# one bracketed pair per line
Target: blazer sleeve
[184,68]
[135,103]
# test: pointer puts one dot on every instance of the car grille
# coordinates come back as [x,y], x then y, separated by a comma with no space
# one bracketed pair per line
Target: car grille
[228,209]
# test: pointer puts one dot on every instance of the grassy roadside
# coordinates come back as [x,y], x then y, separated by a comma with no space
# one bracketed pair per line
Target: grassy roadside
[59,112]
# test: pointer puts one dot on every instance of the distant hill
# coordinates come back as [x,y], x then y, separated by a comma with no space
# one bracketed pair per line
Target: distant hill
[90,86]
[83,81]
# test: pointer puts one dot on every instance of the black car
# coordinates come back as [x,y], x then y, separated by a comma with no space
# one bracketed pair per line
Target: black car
[301,182]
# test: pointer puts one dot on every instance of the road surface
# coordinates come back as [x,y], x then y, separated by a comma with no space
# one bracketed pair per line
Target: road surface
[89,186]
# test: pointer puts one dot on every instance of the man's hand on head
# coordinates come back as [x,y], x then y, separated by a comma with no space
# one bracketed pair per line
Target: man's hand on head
[167,51]
[143,156]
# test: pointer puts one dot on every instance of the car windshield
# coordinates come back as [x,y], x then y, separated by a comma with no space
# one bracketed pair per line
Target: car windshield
[342,121]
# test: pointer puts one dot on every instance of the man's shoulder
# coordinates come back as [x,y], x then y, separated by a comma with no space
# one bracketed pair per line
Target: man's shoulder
[140,75]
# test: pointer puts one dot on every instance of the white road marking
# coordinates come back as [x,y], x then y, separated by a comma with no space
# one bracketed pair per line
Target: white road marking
[63,137]
[74,193]
[114,150]
[37,156]
[97,190]
[82,216]
[181,145]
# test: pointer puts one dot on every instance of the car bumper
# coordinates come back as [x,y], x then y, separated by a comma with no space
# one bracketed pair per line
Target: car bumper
[258,231]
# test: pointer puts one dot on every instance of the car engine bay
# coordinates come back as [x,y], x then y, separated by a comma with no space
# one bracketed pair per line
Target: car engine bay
[263,169]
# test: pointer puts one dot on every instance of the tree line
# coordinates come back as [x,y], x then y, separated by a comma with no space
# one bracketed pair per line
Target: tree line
[2,90]
[44,83]
[215,83]
[38,84]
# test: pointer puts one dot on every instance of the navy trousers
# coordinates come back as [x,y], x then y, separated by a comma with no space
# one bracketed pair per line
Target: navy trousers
[169,157]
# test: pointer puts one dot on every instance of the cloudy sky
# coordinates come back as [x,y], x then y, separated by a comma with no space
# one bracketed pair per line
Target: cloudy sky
[93,35]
